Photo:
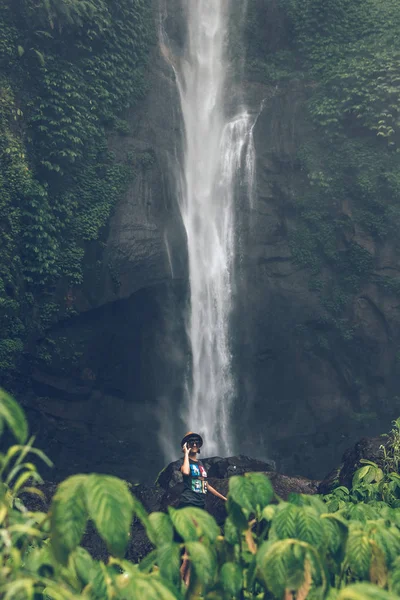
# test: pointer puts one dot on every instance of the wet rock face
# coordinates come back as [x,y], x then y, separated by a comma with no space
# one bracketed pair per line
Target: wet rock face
[301,403]
[123,354]
[118,375]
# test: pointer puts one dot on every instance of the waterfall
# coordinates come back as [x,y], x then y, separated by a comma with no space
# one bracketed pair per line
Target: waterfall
[218,156]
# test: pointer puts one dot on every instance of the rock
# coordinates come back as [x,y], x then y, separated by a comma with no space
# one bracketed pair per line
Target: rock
[367,448]
[285,485]
[238,465]
[171,475]
[216,467]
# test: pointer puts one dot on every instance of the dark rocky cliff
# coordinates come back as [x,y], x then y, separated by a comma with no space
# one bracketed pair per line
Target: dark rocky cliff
[307,389]
[94,404]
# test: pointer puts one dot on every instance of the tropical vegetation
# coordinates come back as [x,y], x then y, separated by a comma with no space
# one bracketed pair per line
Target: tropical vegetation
[68,71]
[344,546]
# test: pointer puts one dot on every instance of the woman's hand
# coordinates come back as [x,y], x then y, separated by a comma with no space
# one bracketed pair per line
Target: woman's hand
[185,468]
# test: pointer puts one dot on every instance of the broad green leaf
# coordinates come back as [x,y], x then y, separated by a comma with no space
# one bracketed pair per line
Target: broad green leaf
[335,533]
[231,579]
[281,565]
[268,512]
[361,512]
[284,522]
[161,531]
[205,523]
[358,553]
[361,474]
[395,581]
[236,515]
[148,562]
[169,562]
[263,492]
[203,561]
[83,563]
[387,539]
[13,415]
[230,532]
[68,516]
[148,587]
[100,588]
[183,524]
[110,506]
[309,526]
[315,502]
[40,561]
[164,591]
[21,589]
[241,491]
[365,591]
[53,591]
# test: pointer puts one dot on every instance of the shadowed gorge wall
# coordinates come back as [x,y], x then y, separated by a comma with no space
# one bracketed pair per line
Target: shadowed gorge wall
[321,262]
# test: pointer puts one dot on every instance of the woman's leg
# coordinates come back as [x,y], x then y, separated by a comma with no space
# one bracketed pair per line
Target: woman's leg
[185,568]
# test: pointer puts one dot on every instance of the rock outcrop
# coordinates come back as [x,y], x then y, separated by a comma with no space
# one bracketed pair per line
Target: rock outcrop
[371,449]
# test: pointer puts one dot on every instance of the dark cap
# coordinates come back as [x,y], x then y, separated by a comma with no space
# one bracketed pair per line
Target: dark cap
[191,434]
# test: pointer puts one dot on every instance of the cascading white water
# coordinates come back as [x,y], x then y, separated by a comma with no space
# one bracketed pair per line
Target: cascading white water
[218,153]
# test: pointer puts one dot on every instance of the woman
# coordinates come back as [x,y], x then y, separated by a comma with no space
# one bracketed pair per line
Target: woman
[195,485]
[194,474]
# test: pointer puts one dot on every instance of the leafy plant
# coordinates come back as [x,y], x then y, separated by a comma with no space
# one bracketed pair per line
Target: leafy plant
[336,547]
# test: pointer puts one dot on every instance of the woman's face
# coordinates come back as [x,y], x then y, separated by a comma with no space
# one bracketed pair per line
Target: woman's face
[193,444]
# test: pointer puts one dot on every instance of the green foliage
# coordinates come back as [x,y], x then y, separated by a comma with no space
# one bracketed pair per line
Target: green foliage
[345,202]
[306,547]
[391,451]
[68,517]
[12,416]
[69,69]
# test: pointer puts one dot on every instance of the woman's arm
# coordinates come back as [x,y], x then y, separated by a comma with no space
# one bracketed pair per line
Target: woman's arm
[185,468]
[215,492]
